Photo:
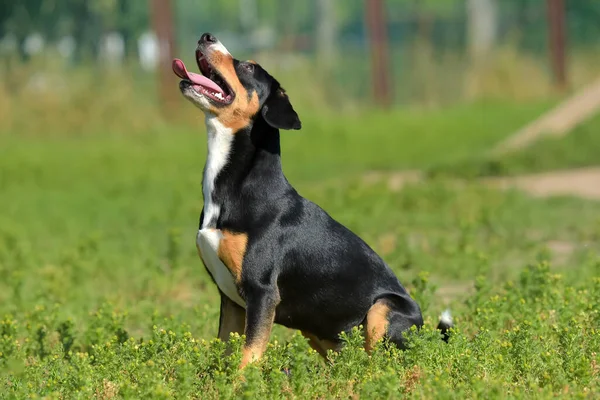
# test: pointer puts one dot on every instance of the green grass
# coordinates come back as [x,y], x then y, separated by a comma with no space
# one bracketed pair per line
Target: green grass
[328,146]
[103,294]
[578,149]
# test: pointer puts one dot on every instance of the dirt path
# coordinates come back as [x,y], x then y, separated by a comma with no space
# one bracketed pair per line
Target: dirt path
[584,182]
[560,121]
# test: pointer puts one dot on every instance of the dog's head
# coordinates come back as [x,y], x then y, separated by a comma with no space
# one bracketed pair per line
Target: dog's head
[235,92]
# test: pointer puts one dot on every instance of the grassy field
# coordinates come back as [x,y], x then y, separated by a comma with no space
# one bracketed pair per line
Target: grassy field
[578,149]
[102,294]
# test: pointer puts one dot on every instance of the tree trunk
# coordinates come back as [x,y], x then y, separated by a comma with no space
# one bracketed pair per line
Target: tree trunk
[326,32]
[482,18]
[162,23]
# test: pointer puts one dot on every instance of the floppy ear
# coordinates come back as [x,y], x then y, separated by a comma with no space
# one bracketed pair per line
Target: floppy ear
[279,113]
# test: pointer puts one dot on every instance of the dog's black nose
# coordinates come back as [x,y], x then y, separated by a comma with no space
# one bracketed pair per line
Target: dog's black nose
[207,38]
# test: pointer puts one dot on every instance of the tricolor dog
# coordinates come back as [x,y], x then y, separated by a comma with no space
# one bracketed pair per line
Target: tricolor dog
[275,256]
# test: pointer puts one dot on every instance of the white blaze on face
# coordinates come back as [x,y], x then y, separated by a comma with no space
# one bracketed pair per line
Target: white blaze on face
[220,48]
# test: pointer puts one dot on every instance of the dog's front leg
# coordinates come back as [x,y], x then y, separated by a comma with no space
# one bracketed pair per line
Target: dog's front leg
[260,313]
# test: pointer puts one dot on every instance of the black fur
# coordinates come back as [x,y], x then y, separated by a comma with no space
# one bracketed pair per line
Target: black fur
[279,113]
[325,276]
[320,276]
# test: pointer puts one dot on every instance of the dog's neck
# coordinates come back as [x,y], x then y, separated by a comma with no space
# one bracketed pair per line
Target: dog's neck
[244,163]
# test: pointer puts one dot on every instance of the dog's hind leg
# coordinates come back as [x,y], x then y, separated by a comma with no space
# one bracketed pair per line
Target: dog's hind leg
[376,324]
[390,317]
[319,345]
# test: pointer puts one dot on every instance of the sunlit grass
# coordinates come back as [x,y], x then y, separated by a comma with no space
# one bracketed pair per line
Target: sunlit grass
[102,294]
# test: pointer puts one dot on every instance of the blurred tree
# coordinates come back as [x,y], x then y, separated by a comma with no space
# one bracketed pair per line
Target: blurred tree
[583,21]
[325,38]
[88,20]
[85,20]
[482,28]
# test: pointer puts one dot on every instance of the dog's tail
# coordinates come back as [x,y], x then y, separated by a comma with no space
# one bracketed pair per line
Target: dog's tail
[445,324]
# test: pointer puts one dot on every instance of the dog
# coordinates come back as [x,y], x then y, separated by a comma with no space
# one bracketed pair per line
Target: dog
[275,256]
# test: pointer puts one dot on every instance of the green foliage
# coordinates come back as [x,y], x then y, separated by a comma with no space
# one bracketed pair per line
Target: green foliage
[538,336]
[87,20]
[578,149]
[102,294]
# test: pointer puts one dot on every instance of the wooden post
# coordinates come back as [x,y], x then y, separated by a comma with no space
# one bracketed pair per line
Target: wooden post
[378,41]
[482,27]
[326,33]
[162,23]
[557,41]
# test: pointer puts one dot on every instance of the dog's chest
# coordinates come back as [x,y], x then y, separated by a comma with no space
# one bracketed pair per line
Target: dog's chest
[207,242]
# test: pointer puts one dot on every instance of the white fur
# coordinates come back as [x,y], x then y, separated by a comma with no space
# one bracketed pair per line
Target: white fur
[220,139]
[208,241]
[198,99]
[220,48]
[446,317]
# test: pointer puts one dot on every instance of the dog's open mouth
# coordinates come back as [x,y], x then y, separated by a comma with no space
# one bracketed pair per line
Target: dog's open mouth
[210,83]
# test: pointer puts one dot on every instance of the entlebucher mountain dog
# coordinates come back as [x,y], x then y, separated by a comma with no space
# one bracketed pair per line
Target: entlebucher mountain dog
[275,256]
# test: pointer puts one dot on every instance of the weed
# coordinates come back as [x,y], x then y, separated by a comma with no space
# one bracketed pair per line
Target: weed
[102,294]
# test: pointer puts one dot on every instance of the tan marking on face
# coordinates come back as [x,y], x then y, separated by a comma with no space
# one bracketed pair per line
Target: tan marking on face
[376,325]
[321,346]
[232,249]
[253,351]
[239,113]
[252,62]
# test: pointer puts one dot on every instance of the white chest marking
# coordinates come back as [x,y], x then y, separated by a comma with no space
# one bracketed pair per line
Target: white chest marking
[208,239]
[207,242]
[219,147]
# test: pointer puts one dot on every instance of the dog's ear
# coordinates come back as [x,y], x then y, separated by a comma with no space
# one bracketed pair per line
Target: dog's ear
[279,113]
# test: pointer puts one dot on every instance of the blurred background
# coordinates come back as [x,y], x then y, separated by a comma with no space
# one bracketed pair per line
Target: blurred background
[403,106]
[73,61]
[416,116]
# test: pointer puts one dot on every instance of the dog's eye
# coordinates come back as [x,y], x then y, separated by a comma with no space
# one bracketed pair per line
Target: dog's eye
[248,67]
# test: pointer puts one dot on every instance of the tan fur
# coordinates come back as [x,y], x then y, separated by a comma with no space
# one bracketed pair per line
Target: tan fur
[376,325]
[232,249]
[319,345]
[238,114]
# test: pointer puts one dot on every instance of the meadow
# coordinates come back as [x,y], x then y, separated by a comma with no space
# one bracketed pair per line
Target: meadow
[102,294]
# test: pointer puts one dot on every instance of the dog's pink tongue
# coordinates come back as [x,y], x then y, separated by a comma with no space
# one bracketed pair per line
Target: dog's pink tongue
[182,72]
